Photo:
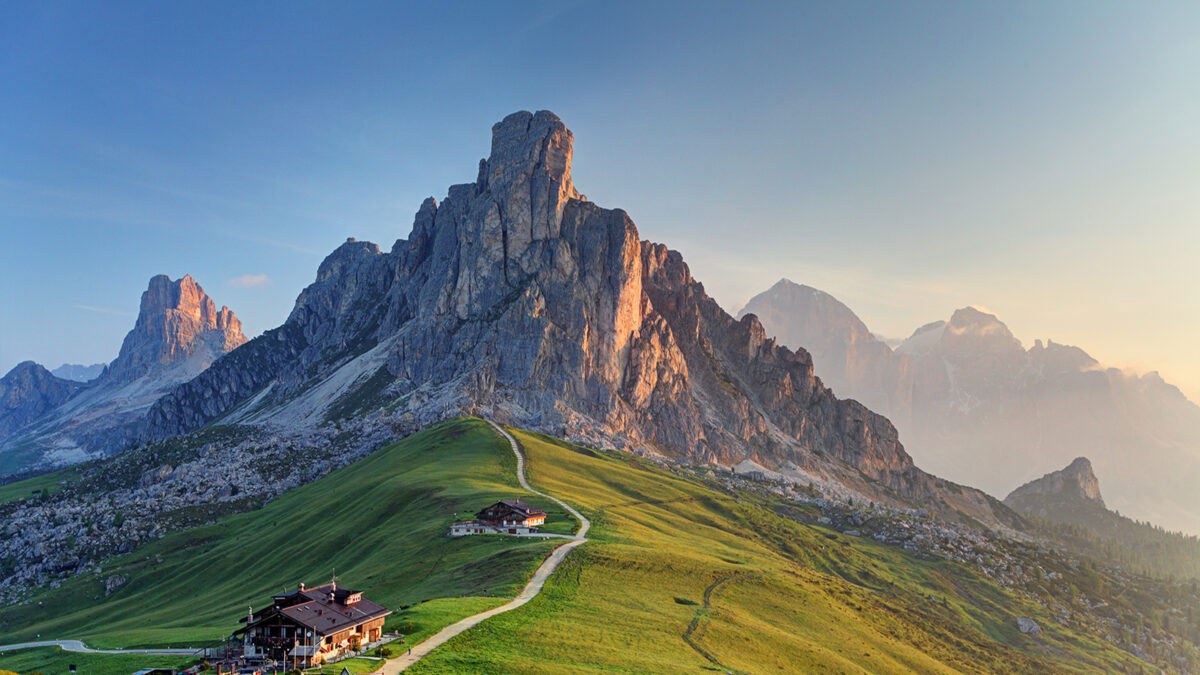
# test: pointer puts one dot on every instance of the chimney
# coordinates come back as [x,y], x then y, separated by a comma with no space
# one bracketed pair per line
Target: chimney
[302,585]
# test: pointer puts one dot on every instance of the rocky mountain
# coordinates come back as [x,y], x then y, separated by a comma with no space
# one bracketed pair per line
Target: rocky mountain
[29,391]
[1075,483]
[176,323]
[846,356]
[178,333]
[973,404]
[517,298]
[78,372]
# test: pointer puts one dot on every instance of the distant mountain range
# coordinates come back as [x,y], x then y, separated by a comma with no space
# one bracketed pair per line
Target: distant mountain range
[77,372]
[976,406]
[46,420]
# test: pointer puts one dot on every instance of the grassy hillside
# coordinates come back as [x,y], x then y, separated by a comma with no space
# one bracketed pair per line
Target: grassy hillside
[676,577]
[46,484]
[53,661]
[380,523]
[680,578]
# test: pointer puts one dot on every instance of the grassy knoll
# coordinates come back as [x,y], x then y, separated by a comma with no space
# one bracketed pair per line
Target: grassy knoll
[45,484]
[380,523]
[679,578]
[54,661]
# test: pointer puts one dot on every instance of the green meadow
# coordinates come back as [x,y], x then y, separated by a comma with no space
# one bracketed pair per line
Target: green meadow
[675,577]
[54,661]
[380,523]
[679,578]
[44,484]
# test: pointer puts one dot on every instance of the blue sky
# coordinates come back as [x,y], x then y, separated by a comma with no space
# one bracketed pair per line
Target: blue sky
[1038,159]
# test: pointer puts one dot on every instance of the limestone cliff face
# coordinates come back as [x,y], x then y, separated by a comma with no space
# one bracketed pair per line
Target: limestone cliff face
[518,298]
[28,392]
[176,321]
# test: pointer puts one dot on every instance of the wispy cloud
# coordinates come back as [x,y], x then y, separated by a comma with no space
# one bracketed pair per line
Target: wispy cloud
[102,310]
[249,280]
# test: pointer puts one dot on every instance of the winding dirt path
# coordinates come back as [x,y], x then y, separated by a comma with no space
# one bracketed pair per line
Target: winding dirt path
[528,593]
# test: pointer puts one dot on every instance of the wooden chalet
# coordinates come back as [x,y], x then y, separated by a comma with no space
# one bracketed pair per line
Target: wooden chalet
[508,516]
[511,513]
[312,625]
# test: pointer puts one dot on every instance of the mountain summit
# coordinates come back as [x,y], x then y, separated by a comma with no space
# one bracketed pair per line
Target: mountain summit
[1075,482]
[178,333]
[177,321]
[517,298]
[846,356]
[27,392]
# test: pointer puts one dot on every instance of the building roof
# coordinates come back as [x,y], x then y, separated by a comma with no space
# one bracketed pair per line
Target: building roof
[516,506]
[324,609]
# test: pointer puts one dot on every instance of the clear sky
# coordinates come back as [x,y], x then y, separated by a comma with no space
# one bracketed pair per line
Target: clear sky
[1039,159]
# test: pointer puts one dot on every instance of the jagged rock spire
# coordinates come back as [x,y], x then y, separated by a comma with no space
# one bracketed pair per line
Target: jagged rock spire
[174,319]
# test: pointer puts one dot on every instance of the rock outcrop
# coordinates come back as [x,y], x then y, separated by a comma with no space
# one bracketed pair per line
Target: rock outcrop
[518,298]
[27,393]
[1076,482]
[178,333]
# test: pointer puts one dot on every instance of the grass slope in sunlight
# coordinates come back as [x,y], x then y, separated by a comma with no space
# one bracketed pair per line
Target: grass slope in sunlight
[676,577]
[679,578]
[381,523]
[53,661]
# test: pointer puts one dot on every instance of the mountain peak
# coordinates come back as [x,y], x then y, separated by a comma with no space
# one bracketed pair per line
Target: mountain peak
[27,392]
[1076,482]
[176,320]
[529,170]
[976,318]
[973,331]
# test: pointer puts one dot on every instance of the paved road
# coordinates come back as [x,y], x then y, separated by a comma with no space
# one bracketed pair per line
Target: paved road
[78,646]
[528,593]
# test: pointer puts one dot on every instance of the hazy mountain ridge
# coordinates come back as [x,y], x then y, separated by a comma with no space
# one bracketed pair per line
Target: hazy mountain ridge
[518,298]
[177,334]
[77,372]
[1067,508]
[984,410]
